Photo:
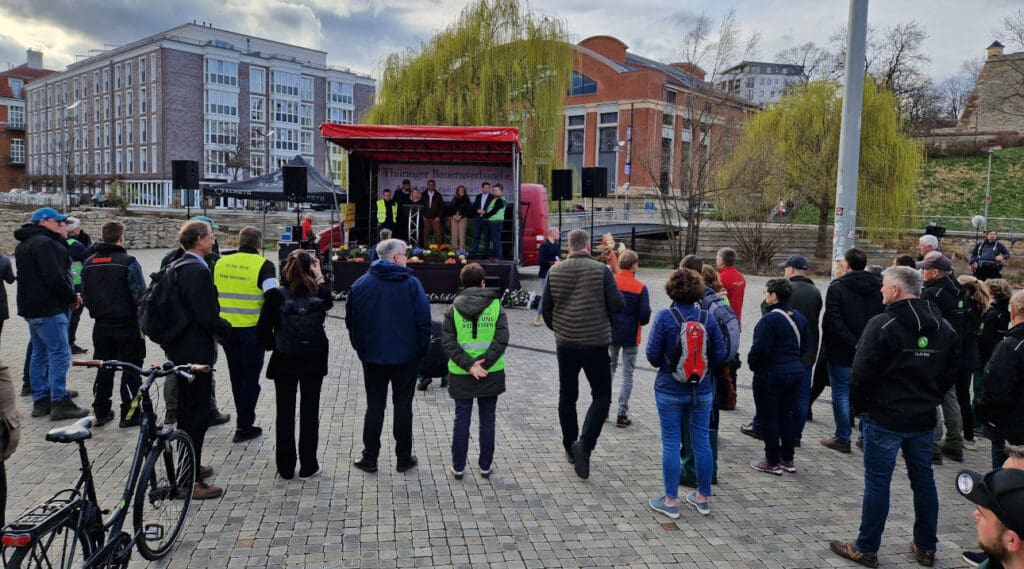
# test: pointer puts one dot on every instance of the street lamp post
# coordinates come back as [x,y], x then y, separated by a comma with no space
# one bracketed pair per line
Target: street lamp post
[988,180]
[67,154]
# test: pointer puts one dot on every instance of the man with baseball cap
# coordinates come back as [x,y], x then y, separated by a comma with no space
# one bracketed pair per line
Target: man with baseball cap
[999,516]
[46,296]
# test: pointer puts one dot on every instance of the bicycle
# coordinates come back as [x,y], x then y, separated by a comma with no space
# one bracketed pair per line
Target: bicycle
[68,529]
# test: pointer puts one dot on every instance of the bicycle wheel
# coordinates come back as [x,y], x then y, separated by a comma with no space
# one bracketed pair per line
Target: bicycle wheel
[164,494]
[63,547]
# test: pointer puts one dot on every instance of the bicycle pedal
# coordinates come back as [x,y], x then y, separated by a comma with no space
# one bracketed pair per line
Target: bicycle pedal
[154,532]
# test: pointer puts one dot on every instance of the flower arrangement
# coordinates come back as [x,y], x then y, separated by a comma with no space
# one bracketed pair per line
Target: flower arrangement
[353,252]
[437,254]
[518,298]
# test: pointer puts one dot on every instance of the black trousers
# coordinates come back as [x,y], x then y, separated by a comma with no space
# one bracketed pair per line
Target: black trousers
[194,403]
[309,424]
[245,363]
[120,342]
[987,271]
[596,364]
[402,379]
[964,379]
[76,316]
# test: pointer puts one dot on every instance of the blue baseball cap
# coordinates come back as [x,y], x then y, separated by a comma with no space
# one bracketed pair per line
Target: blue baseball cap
[205,219]
[798,262]
[45,213]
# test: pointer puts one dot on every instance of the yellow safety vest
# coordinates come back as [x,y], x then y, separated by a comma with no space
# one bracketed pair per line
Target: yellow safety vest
[477,345]
[500,214]
[237,279]
[76,266]
[382,211]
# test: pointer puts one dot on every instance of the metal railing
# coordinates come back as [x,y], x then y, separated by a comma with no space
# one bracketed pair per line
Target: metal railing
[582,220]
[1006,226]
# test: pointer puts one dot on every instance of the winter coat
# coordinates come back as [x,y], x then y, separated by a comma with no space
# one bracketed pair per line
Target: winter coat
[198,295]
[735,287]
[6,276]
[951,299]
[776,347]
[388,316]
[851,300]
[994,324]
[663,349]
[904,366]
[289,366]
[806,299]
[471,303]
[579,297]
[728,321]
[1002,401]
[636,310]
[547,253]
[44,272]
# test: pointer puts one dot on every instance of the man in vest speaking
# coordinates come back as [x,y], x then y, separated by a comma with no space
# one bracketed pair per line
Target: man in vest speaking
[241,278]
[387,211]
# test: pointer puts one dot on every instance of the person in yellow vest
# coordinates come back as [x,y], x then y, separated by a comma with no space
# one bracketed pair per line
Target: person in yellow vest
[241,279]
[474,336]
[387,211]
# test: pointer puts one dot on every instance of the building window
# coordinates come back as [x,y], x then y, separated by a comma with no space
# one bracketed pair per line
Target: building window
[95,109]
[221,132]
[143,160]
[85,138]
[129,133]
[257,80]
[582,85]
[286,111]
[306,115]
[95,82]
[128,74]
[76,87]
[283,83]
[117,77]
[96,163]
[106,161]
[106,135]
[306,88]
[339,116]
[257,164]
[16,116]
[117,105]
[668,119]
[306,143]
[257,109]
[129,100]
[216,163]
[221,103]
[129,162]
[338,92]
[222,72]
[155,162]
[670,96]
[117,134]
[287,139]
[17,151]
[98,136]
[142,76]
[142,133]
[142,101]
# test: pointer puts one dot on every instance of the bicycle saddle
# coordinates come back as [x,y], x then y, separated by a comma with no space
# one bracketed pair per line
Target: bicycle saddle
[77,431]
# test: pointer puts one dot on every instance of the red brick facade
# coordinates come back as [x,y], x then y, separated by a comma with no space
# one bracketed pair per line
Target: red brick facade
[13,125]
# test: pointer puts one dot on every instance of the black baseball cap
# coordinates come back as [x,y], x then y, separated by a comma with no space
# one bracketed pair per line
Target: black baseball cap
[1001,491]
[798,262]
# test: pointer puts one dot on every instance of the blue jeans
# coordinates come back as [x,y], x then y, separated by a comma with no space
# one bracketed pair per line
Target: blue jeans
[628,365]
[802,408]
[460,433]
[494,229]
[881,446]
[775,395]
[839,377]
[480,228]
[695,410]
[51,356]
[540,301]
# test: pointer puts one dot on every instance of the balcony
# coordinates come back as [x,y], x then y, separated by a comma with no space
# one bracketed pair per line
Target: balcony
[13,160]
[14,125]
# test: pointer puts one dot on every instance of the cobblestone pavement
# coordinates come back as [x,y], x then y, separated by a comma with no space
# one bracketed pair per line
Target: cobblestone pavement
[532,512]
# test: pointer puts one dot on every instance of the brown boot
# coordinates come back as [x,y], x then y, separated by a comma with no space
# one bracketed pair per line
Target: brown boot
[204,491]
[836,444]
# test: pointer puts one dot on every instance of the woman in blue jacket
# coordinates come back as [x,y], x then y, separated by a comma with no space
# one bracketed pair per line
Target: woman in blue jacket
[780,339]
[683,403]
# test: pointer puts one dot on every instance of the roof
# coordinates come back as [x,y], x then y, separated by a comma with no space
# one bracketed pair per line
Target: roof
[23,72]
[773,64]
[682,77]
[385,143]
[271,186]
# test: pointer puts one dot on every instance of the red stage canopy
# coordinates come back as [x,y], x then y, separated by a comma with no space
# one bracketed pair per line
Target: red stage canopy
[381,143]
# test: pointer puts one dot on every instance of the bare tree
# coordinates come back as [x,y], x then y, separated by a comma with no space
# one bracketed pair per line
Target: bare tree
[715,50]
[1013,29]
[815,61]
[954,92]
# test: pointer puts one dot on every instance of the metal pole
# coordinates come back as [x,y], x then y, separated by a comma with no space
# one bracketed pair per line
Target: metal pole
[844,235]
[988,185]
[629,155]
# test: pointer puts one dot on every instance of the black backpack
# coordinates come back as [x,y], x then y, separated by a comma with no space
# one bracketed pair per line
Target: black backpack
[301,331]
[162,315]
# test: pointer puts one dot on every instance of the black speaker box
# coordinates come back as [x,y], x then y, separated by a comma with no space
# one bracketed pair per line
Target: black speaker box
[184,175]
[595,182]
[561,184]
[294,178]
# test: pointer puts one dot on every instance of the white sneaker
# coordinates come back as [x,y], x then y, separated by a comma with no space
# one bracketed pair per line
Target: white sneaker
[537,320]
[458,474]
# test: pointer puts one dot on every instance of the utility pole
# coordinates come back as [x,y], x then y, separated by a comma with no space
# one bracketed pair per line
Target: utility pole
[844,235]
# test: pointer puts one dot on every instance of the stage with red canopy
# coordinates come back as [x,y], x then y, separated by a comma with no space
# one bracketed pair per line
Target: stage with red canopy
[451,144]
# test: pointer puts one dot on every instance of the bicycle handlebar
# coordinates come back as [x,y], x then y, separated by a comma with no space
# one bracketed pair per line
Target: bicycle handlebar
[167,368]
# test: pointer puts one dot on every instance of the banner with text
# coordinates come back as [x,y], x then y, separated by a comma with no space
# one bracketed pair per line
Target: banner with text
[447,177]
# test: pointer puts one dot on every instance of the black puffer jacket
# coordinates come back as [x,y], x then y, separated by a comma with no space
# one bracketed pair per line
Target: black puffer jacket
[471,303]
[1002,402]
[44,272]
[902,367]
[850,302]
[950,297]
[994,324]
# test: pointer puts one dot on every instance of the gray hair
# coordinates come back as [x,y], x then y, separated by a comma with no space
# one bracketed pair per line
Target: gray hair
[909,280]
[385,234]
[929,240]
[74,223]
[579,240]
[388,249]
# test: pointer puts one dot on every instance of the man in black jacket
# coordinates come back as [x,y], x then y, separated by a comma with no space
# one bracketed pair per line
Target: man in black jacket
[46,296]
[1002,401]
[198,344]
[900,372]
[942,289]
[112,284]
[851,300]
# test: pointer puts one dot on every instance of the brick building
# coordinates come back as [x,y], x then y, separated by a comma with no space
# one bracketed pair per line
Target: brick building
[622,107]
[12,120]
[237,104]
[996,104]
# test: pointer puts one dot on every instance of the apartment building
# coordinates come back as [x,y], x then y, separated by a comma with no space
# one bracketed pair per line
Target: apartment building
[761,82]
[12,120]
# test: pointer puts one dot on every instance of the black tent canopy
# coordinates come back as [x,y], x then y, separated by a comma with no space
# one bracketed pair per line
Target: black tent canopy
[270,187]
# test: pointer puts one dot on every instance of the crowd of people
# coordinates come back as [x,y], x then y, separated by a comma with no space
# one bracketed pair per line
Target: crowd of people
[902,349]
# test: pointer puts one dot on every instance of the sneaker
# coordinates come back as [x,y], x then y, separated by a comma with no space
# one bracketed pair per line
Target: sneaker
[623,421]
[422,384]
[924,557]
[366,465]
[103,418]
[486,472]
[750,431]
[408,464]
[41,408]
[581,460]
[444,380]
[135,421]
[458,474]
[763,466]
[974,558]
[836,444]
[537,321]
[971,445]
[78,350]
[313,474]
[956,455]
[659,505]
[788,465]
[703,508]
[218,418]
[246,434]
[66,409]
[204,491]
[847,550]
[170,417]
[204,472]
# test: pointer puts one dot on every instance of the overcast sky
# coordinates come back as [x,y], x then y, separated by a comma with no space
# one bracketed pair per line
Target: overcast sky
[361,33]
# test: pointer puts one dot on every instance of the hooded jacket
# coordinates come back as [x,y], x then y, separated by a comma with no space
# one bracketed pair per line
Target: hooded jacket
[851,300]
[1002,401]
[471,303]
[994,324]
[44,272]
[387,315]
[903,366]
[636,310]
[776,348]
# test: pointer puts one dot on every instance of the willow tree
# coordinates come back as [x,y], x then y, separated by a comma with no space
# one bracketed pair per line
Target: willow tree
[497,65]
[796,142]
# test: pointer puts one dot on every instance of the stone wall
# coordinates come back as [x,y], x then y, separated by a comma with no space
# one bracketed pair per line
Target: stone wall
[141,231]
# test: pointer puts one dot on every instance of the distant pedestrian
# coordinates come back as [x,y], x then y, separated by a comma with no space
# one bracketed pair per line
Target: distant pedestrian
[926,244]
[388,321]
[291,324]
[976,301]
[988,256]
[579,297]
[549,253]
[475,336]
[1001,407]
[79,245]
[995,322]
[6,276]
[734,282]
[626,329]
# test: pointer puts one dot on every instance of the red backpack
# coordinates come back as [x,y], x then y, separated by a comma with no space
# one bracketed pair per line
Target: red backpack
[693,349]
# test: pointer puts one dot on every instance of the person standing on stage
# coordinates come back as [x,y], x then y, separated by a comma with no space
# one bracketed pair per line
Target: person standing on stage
[462,211]
[433,211]
[480,223]
[495,217]
[387,211]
